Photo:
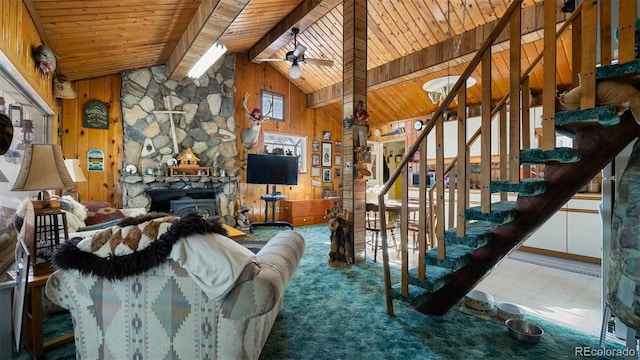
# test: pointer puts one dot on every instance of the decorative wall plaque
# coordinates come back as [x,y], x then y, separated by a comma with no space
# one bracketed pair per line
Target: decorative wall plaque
[96,114]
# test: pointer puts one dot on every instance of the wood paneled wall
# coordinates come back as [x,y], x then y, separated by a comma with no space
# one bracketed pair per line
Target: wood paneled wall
[299,120]
[18,37]
[77,140]
[251,78]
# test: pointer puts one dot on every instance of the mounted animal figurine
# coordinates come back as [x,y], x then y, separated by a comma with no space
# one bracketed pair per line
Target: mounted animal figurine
[46,60]
[337,254]
[250,135]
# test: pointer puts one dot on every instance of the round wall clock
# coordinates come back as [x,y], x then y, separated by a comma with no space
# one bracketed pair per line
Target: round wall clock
[417,125]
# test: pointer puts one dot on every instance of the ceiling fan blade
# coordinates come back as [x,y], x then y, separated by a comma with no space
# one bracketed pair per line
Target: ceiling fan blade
[270,60]
[394,132]
[321,62]
[299,50]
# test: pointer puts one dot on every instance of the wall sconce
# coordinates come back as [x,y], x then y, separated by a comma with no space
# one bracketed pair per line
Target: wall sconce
[77,175]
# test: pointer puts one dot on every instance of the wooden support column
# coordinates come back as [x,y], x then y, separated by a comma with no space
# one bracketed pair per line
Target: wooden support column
[515,78]
[549,78]
[588,62]
[354,91]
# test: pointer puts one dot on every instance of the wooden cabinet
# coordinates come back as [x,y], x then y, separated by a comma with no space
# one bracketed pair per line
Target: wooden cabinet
[305,212]
[574,232]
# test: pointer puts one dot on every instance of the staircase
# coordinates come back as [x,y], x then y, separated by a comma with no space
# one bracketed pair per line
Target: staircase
[486,234]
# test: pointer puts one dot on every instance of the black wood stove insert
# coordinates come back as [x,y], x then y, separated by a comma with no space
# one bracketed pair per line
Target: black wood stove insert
[181,201]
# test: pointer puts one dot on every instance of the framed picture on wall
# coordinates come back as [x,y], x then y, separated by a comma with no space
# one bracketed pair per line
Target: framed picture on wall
[15,113]
[315,160]
[326,175]
[326,154]
[337,160]
[338,147]
[315,146]
[272,105]
[315,171]
[326,135]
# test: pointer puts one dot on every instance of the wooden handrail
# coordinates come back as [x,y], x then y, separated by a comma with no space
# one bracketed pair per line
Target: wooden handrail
[503,101]
[486,46]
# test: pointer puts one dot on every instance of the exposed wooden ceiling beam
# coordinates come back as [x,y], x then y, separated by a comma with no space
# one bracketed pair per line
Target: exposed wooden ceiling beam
[209,22]
[438,57]
[303,16]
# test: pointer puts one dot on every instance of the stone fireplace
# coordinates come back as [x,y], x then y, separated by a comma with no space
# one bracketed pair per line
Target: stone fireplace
[202,111]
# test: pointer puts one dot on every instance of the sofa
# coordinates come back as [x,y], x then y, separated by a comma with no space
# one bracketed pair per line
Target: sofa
[166,312]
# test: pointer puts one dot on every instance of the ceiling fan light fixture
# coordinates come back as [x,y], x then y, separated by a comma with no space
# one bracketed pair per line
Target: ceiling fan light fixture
[294,71]
[215,52]
[439,88]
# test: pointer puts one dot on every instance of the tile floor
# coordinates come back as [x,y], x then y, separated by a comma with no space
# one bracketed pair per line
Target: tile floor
[565,297]
[561,296]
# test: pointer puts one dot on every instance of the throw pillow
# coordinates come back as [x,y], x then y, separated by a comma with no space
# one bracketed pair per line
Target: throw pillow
[100,212]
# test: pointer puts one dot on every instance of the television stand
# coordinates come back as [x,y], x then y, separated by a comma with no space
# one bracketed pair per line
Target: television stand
[271,199]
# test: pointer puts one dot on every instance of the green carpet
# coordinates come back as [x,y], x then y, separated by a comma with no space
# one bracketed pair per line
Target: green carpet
[341,314]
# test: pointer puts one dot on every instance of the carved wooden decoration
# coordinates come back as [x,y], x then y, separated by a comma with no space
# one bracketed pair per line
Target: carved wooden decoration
[188,165]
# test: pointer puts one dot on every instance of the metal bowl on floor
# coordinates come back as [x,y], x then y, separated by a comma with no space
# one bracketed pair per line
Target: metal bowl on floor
[524,331]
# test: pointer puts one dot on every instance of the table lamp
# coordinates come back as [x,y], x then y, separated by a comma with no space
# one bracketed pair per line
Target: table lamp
[43,169]
[77,175]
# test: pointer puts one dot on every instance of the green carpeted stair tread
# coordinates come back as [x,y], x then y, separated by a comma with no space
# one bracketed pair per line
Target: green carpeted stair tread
[436,278]
[567,131]
[502,212]
[477,234]
[526,187]
[604,115]
[456,258]
[618,70]
[565,155]
[417,295]
[538,156]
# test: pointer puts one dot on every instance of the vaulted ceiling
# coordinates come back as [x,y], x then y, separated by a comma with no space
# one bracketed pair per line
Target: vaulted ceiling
[409,42]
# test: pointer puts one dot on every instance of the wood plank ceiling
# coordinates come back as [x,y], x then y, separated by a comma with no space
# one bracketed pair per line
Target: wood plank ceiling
[409,42]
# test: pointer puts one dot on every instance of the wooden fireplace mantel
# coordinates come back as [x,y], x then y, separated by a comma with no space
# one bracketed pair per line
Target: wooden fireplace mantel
[172,179]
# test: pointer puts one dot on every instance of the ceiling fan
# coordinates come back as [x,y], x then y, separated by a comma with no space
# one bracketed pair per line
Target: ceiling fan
[296,56]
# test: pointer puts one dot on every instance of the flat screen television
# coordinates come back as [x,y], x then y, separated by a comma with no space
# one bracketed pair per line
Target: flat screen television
[272,169]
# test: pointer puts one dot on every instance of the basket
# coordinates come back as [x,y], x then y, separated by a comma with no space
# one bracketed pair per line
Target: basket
[63,89]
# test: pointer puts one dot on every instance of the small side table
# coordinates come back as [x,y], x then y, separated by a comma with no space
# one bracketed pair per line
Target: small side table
[35,344]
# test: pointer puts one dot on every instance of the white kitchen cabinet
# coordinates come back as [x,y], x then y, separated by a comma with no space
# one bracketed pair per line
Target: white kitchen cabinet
[584,228]
[552,235]
[575,231]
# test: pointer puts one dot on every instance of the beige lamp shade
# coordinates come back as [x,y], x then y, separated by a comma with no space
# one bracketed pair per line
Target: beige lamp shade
[75,170]
[43,169]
